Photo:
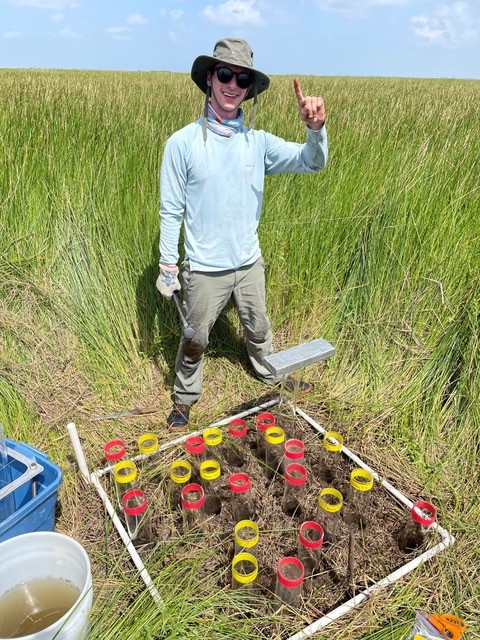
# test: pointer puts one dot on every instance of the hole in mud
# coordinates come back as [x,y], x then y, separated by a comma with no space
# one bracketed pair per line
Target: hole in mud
[328,475]
[213,506]
[410,539]
[242,512]
[355,520]
[292,508]
[234,459]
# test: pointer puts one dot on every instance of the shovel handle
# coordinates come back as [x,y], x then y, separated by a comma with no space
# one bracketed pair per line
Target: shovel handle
[188,332]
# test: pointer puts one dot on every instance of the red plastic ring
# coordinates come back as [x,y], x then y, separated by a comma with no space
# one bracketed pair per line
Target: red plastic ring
[265,420]
[425,521]
[239,482]
[114,455]
[192,506]
[140,508]
[289,582]
[195,445]
[311,544]
[237,428]
[298,451]
[295,480]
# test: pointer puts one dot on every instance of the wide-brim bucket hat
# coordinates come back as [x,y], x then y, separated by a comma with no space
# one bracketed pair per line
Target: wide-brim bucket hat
[232,51]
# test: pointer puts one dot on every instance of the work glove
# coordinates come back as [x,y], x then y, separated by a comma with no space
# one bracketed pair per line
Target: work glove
[167,282]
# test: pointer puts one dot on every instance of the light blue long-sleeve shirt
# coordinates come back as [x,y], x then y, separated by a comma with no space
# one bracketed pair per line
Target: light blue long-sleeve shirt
[216,189]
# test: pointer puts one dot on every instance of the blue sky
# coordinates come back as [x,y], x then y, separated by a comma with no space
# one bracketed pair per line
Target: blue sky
[418,38]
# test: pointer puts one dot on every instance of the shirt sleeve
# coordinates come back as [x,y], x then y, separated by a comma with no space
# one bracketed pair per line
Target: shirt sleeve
[291,157]
[173,178]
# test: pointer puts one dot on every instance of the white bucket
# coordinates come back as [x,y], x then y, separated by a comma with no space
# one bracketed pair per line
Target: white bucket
[46,554]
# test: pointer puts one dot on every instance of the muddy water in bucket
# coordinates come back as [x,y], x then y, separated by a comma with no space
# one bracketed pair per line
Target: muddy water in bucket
[45,588]
[35,605]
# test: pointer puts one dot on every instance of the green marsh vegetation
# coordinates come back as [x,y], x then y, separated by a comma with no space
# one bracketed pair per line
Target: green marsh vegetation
[379,254]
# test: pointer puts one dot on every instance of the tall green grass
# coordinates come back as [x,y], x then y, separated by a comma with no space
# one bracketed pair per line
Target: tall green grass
[379,254]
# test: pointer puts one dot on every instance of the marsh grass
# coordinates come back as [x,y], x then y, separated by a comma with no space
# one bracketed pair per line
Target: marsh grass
[379,254]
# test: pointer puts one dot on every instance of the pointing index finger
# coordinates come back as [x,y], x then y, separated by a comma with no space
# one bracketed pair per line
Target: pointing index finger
[298,92]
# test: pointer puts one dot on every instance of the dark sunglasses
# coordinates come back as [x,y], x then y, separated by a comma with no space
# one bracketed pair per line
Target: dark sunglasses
[225,75]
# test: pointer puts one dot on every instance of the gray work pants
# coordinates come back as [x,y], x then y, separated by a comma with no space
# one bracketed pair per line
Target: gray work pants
[205,294]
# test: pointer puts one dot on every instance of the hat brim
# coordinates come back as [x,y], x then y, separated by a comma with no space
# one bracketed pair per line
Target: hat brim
[203,64]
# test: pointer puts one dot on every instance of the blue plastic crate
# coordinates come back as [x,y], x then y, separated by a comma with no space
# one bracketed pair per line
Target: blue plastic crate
[32,512]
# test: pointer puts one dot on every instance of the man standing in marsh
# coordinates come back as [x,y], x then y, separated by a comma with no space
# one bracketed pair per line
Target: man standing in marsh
[212,180]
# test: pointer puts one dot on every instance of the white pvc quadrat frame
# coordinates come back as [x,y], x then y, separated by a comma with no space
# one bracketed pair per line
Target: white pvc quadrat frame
[447,539]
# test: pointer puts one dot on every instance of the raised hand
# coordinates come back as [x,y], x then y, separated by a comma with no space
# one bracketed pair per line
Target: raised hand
[312,109]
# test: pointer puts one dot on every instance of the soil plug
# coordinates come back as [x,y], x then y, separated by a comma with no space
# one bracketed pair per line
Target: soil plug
[180,475]
[274,449]
[289,585]
[310,542]
[330,503]
[330,457]
[134,504]
[294,452]
[244,571]
[359,498]
[295,478]
[193,505]
[125,475]
[240,499]
[413,534]
[196,448]
[264,420]
[210,474]
[246,536]
[213,437]
[237,434]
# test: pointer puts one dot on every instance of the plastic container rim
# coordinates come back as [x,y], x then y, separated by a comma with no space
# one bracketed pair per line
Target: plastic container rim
[239,482]
[146,437]
[116,455]
[306,542]
[290,583]
[139,508]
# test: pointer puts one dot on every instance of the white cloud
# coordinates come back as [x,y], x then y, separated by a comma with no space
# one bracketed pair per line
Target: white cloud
[356,8]
[449,25]
[422,28]
[44,4]
[11,34]
[175,14]
[58,16]
[234,13]
[136,18]
[178,28]
[119,33]
[68,33]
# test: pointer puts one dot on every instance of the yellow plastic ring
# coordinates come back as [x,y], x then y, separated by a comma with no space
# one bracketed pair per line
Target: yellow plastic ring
[330,508]
[246,543]
[333,446]
[185,469]
[148,443]
[275,435]
[119,469]
[361,480]
[213,436]
[241,577]
[210,470]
